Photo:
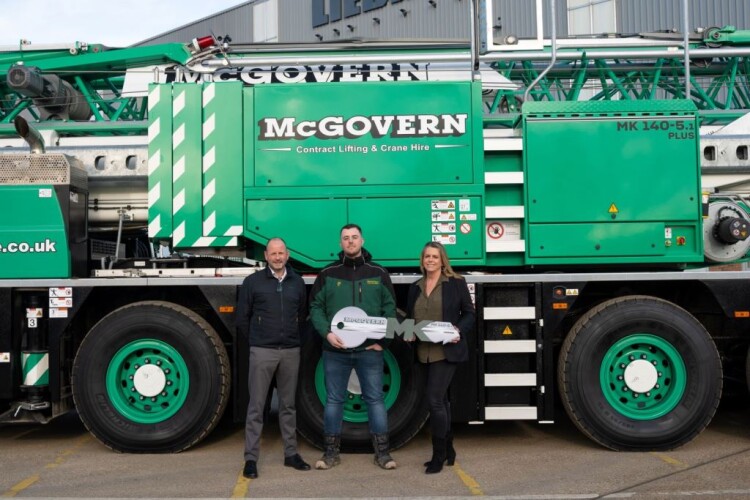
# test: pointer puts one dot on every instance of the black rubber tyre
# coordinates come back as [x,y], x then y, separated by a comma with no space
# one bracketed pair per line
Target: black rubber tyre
[184,336]
[406,416]
[598,334]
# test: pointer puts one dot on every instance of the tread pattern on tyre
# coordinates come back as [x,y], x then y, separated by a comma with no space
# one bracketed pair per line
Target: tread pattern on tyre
[218,351]
[563,375]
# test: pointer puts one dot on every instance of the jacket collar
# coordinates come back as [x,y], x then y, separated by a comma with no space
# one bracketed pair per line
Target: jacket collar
[289,272]
[357,261]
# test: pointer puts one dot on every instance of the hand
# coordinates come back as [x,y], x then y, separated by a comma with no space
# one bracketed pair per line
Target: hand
[457,339]
[374,347]
[335,340]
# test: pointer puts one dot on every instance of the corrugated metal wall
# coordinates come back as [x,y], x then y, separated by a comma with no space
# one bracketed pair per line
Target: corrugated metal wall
[518,18]
[448,19]
[637,16]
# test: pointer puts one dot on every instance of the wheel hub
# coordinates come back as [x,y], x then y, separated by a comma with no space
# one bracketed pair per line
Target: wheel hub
[641,376]
[149,380]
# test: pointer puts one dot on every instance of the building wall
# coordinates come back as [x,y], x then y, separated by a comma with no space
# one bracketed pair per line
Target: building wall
[446,19]
[638,16]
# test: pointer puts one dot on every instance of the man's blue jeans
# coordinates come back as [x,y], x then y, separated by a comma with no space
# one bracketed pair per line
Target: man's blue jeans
[368,365]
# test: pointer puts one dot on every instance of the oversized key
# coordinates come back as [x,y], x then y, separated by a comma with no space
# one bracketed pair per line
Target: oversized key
[439,331]
[353,326]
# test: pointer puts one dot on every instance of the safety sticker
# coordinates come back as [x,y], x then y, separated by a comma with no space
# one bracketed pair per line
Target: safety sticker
[465,228]
[58,312]
[34,312]
[507,330]
[468,217]
[45,193]
[495,230]
[32,322]
[464,205]
[443,216]
[443,204]
[65,291]
[445,239]
[60,302]
[443,227]
[4,357]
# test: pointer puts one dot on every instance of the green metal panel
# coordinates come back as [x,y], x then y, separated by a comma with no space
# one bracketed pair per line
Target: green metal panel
[310,227]
[416,221]
[411,146]
[598,199]
[335,156]
[187,165]
[33,243]
[222,159]
[160,161]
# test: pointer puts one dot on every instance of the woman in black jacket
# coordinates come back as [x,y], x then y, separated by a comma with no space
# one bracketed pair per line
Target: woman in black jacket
[441,295]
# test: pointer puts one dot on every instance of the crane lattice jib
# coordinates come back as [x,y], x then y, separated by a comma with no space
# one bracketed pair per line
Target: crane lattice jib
[639,67]
[719,75]
[94,71]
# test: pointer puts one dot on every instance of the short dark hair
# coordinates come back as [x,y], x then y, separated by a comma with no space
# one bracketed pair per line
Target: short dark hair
[351,226]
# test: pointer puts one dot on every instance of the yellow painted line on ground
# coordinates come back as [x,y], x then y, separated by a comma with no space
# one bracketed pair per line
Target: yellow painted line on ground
[669,460]
[20,486]
[241,486]
[469,481]
[59,459]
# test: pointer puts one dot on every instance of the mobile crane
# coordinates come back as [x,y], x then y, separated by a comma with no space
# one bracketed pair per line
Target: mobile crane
[585,213]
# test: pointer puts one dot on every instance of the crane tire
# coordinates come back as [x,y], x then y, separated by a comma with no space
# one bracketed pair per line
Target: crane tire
[639,373]
[403,389]
[151,377]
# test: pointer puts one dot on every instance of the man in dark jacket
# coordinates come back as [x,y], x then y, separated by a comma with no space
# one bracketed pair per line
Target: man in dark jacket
[271,310]
[353,280]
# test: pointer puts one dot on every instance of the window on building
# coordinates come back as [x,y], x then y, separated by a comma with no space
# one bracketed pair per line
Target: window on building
[586,17]
[266,21]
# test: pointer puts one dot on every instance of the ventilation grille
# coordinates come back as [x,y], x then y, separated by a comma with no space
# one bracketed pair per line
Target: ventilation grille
[31,169]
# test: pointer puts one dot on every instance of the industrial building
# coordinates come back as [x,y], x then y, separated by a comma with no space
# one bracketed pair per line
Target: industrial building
[282,21]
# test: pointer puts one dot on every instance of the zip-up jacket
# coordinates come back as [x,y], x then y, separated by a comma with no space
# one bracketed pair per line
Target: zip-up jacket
[351,282]
[271,313]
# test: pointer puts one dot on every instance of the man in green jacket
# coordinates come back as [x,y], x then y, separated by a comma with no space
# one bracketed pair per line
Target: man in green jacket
[353,280]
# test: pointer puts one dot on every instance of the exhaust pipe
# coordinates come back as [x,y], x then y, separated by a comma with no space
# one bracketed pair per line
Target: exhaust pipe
[30,135]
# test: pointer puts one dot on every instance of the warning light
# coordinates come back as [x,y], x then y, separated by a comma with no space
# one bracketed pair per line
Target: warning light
[203,42]
[558,292]
[742,314]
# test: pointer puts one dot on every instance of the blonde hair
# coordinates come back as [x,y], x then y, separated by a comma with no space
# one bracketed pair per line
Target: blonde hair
[445,263]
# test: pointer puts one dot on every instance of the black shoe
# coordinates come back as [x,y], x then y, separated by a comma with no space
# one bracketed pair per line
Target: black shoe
[296,462]
[251,469]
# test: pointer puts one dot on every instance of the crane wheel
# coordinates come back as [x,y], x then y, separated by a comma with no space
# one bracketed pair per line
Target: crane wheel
[151,377]
[639,373]
[403,383]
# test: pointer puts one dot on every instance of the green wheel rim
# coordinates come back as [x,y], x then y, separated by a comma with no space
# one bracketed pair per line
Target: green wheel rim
[147,381]
[643,376]
[355,408]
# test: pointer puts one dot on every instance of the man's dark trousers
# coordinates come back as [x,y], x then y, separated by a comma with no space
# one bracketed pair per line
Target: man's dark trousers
[264,362]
